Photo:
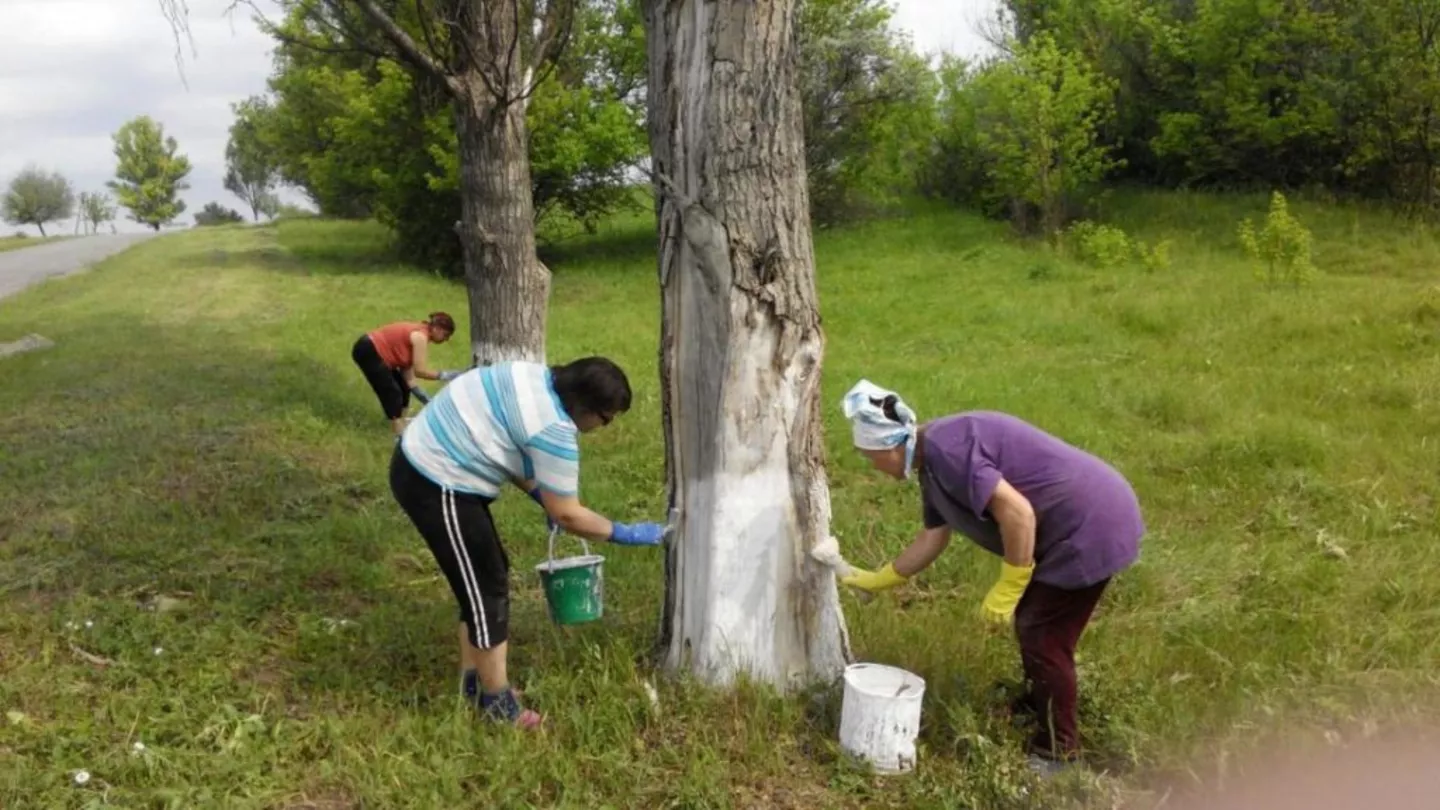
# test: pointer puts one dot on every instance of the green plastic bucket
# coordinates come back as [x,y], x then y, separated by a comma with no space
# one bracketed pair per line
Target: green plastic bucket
[574,586]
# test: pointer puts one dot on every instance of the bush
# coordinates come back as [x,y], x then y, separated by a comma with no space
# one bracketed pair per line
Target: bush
[1103,246]
[1153,259]
[1106,246]
[1282,247]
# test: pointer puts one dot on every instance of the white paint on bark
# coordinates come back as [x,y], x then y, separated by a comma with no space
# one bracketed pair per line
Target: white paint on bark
[501,352]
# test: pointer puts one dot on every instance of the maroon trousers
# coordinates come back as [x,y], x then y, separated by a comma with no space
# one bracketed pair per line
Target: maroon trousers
[1048,623]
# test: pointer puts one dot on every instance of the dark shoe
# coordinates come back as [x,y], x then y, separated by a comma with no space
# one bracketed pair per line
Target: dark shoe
[469,685]
[505,707]
[1023,708]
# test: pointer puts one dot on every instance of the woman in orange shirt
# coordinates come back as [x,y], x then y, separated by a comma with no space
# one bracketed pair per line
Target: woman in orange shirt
[392,356]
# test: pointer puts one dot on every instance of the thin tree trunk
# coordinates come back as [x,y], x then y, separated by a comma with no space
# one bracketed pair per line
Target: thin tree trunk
[509,288]
[41,226]
[741,348]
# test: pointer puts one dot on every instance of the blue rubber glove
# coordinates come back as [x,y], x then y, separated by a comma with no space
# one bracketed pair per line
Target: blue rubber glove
[639,534]
[447,376]
[535,496]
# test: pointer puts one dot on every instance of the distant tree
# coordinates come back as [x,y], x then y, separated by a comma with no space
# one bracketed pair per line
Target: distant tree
[150,174]
[216,214]
[869,106]
[268,204]
[96,208]
[251,168]
[1038,118]
[36,197]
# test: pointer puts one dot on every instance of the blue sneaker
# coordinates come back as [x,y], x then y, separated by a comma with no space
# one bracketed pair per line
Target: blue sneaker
[469,685]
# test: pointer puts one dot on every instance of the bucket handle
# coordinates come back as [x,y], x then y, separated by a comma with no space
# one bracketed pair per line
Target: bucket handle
[551,551]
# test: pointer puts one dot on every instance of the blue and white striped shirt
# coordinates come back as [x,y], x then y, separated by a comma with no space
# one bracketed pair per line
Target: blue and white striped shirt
[493,424]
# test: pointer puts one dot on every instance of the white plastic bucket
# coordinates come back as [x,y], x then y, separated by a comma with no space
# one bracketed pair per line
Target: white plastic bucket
[880,716]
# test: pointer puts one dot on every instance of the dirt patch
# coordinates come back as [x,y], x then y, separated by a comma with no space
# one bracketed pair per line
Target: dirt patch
[772,795]
[29,343]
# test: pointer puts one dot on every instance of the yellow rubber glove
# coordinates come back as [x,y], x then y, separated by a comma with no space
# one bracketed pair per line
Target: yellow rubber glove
[1000,602]
[872,581]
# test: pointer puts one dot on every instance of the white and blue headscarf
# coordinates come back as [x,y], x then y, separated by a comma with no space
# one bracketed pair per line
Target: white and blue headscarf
[872,429]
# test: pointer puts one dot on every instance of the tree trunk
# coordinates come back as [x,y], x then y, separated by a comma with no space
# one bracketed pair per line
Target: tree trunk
[41,226]
[508,286]
[741,348]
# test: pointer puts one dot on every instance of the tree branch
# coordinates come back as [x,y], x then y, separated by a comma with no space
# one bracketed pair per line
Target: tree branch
[407,47]
[481,66]
[554,38]
[177,13]
[352,43]
[427,29]
[512,51]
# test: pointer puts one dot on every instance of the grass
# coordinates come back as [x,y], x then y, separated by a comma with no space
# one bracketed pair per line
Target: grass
[196,497]
[18,242]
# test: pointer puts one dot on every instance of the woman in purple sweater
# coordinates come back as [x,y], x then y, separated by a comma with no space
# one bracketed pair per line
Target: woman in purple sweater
[1063,521]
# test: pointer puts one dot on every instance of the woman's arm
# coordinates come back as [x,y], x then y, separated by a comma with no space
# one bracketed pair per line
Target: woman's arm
[922,551]
[927,545]
[573,517]
[1016,517]
[419,364]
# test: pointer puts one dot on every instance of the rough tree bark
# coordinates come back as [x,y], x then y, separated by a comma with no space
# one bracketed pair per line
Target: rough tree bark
[508,286]
[741,348]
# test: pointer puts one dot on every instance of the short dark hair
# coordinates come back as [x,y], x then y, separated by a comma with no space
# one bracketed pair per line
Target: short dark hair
[591,385]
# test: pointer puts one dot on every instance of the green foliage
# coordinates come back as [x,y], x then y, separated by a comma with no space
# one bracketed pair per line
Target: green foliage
[1025,130]
[1039,116]
[1282,246]
[1108,246]
[150,174]
[869,107]
[251,172]
[216,214]
[36,197]
[1280,93]
[288,211]
[366,138]
[1154,258]
[959,169]
[1103,246]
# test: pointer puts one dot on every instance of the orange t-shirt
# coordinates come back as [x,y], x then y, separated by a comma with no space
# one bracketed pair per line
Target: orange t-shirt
[392,343]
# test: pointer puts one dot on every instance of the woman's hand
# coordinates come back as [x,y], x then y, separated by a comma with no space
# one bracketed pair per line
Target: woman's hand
[999,604]
[874,581]
[639,534]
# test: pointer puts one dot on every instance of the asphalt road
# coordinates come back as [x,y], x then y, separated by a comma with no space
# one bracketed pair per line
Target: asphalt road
[21,268]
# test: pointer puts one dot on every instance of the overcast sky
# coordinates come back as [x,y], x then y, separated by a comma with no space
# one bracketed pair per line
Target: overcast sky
[73,71]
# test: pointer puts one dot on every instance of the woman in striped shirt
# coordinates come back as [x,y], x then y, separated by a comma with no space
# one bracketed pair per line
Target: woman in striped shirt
[515,423]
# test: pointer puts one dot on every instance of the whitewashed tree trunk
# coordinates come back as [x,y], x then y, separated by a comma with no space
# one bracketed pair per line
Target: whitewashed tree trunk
[741,348]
